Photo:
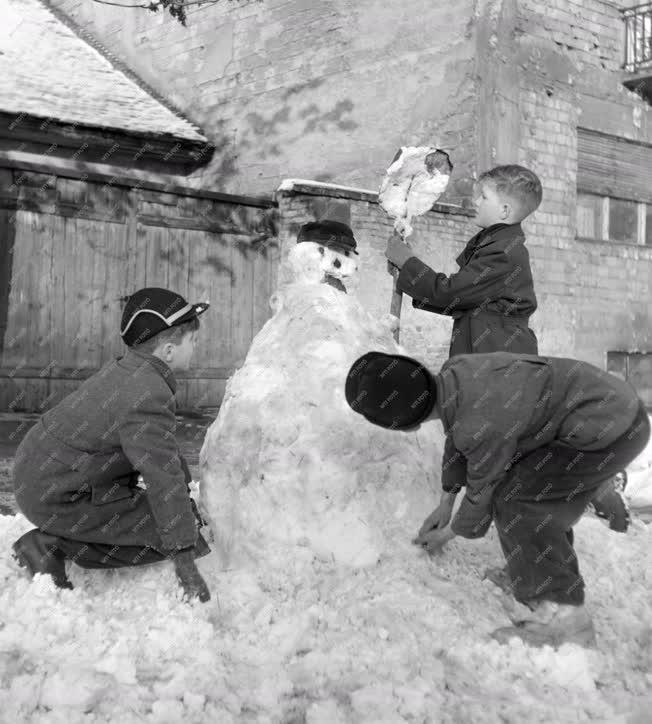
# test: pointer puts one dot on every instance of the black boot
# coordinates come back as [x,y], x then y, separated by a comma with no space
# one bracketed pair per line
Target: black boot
[610,504]
[38,553]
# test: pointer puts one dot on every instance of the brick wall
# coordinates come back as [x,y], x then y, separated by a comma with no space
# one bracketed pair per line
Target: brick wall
[593,296]
[319,90]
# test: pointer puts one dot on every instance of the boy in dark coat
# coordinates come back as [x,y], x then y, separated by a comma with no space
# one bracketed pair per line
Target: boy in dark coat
[534,439]
[491,297]
[76,473]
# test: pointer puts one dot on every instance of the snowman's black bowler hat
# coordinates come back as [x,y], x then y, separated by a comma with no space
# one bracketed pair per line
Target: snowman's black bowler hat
[390,390]
[151,310]
[332,234]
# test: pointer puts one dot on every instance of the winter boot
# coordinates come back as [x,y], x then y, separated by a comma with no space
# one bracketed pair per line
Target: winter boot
[38,553]
[551,624]
[610,504]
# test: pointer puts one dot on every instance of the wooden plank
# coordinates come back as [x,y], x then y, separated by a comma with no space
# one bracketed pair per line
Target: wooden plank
[36,390]
[136,259]
[264,259]
[209,261]
[209,393]
[39,232]
[179,243]
[177,222]
[118,177]
[135,251]
[115,258]
[52,371]
[242,295]
[12,394]
[182,394]
[156,241]
[60,292]
[7,238]
[14,351]
[91,289]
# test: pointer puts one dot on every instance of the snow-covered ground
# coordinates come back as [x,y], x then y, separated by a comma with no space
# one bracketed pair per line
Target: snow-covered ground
[639,482]
[307,640]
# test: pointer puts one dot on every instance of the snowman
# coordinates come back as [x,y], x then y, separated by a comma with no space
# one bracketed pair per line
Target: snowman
[288,470]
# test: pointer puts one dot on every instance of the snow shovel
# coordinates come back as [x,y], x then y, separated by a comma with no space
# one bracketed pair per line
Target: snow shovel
[415,179]
[397,295]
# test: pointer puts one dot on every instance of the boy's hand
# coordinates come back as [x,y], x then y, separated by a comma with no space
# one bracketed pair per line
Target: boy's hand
[434,540]
[189,577]
[397,252]
[440,516]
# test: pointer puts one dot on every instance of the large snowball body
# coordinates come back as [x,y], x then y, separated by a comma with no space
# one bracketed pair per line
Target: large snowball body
[287,465]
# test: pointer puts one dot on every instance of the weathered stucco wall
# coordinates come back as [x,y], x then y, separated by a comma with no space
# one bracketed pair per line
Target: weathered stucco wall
[320,90]
[594,296]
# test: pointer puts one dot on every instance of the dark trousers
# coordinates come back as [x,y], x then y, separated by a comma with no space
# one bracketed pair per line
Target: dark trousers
[543,496]
[103,555]
[106,555]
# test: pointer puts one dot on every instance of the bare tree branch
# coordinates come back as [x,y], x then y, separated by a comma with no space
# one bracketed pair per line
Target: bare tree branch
[176,8]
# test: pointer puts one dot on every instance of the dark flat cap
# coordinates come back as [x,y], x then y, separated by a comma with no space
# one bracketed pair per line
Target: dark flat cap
[390,390]
[332,234]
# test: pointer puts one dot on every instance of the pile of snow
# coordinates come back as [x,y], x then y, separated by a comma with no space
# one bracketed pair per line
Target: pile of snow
[639,480]
[287,461]
[404,641]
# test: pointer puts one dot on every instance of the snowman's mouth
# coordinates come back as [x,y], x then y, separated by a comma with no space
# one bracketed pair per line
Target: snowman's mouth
[338,273]
[334,282]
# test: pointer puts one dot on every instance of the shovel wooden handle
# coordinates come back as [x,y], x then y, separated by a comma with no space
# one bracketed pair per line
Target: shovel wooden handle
[397,296]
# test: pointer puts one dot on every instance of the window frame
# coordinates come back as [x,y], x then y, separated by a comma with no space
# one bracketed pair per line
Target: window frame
[641,222]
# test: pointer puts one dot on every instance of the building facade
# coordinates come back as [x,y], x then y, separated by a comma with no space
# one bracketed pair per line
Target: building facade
[327,91]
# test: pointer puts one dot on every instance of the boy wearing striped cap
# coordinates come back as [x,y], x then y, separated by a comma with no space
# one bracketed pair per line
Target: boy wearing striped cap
[76,473]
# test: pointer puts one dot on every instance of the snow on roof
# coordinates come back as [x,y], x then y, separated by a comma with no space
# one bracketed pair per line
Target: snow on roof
[288,184]
[51,68]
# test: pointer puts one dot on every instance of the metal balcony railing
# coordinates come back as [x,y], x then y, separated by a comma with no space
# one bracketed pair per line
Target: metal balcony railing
[638,37]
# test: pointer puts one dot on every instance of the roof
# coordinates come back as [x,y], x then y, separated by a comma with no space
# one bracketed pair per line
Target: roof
[52,68]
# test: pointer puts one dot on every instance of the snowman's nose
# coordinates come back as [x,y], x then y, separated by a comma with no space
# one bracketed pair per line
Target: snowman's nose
[337,263]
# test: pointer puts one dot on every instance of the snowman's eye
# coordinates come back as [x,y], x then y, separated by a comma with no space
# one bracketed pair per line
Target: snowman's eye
[346,253]
[321,250]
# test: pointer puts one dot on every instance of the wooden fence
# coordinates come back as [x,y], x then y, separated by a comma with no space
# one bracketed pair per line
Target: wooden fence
[71,250]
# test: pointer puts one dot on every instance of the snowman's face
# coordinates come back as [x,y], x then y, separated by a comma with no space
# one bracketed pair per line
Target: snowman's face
[338,264]
[312,262]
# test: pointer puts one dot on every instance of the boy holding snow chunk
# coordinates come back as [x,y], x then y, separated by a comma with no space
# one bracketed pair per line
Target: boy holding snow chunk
[534,439]
[76,474]
[492,296]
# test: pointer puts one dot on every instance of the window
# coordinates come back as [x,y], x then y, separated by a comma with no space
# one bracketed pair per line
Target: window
[623,221]
[638,36]
[589,216]
[610,219]
[614,189]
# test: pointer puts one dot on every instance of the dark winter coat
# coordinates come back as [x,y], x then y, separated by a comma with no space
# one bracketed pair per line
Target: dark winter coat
[491,297]
[496,408]
[76,470]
